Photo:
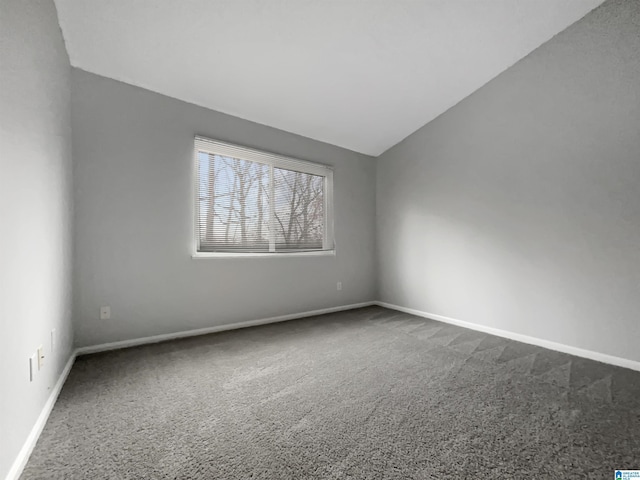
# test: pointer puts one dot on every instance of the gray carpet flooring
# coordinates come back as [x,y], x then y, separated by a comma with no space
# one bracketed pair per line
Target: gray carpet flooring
[365,394]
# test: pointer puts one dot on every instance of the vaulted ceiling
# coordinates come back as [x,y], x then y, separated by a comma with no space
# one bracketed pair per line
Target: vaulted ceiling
[361,74]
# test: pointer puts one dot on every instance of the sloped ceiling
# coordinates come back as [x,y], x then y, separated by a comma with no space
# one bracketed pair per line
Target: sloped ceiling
[361,74]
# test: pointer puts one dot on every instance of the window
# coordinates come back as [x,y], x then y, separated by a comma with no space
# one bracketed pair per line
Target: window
[253,202]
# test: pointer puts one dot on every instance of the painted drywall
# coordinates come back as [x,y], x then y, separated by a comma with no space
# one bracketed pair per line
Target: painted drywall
[519,208]
[35,214]
[133,157]
[347,66]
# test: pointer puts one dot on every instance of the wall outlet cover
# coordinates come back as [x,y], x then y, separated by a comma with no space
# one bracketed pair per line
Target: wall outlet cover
[105,313]
[33,367]
[40,354]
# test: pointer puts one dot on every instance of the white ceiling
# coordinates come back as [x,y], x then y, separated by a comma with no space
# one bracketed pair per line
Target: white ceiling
[361,74]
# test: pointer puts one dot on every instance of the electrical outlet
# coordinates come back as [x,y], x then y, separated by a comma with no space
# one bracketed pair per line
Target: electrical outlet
[53,340]
[40,354]
[339,286]
[105,313]
[33,367]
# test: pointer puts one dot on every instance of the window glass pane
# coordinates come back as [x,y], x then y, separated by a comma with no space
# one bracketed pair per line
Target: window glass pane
[233,204]
[299,210]
[253,201]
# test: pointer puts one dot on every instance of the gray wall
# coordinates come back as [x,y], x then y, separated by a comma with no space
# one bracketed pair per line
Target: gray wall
[35,213]
[133,156]
[519,208]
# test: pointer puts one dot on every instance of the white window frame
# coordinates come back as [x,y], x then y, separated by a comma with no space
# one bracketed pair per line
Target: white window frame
[215,147]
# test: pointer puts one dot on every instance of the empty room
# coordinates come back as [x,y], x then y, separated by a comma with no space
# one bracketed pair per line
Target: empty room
[319,239]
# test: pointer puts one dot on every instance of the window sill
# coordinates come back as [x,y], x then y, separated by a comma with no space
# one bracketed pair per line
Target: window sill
[210,255]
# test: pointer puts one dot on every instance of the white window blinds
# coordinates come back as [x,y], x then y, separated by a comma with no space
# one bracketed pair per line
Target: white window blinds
[248,201]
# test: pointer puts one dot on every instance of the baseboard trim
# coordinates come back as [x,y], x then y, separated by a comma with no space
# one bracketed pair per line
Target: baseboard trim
[218,328]
[25,452]
[559,347]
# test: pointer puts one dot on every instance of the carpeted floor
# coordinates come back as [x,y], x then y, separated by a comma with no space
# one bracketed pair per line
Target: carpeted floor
[365,394]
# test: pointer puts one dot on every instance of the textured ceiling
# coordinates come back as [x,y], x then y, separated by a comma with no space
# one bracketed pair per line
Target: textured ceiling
[361,74]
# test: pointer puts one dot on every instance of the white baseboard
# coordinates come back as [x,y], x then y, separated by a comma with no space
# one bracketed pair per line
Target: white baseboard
[25,452]
[218,328]
[559,347]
